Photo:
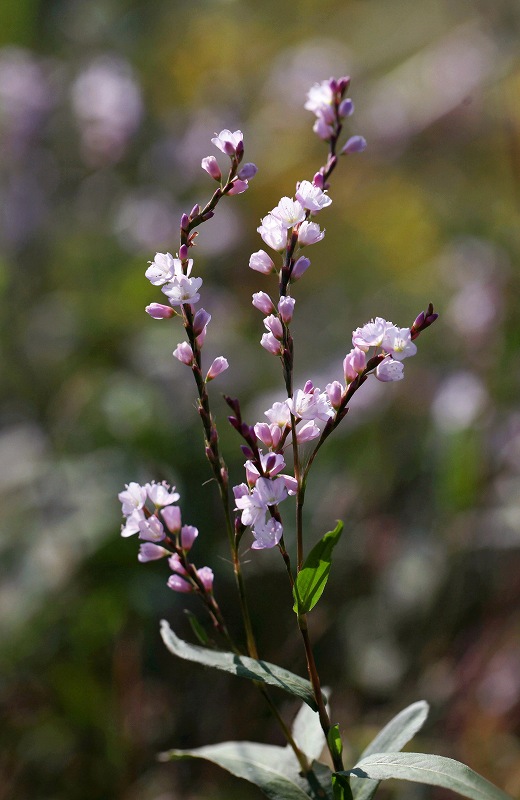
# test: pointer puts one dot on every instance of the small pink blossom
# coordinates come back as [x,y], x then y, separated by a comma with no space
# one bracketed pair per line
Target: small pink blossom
[335,393]
[158,311]
[279,414]
[206,577]
[307,432]
[178,584]
[263,432]
[267,534]
[273,324]
[273,233]
[188,535]
[132,498]
[346,107]
[270,492]
[289,212]
[261,262]
[161,494]
[271,344]
[354,363]
[398,343]
[200,321]
[309,403]
[219,365]
[247,171]
[322,129]
[263,302]
[184,353]
[182,290]
[301,266]
[309,233]
[320,98]
[371,334]
[172,518]
[151,552]
[286,308]
[238,187]
[163,268]
[356,144]
[228,142]
[389,370]
[211,166]
[291,484]
[131,526]
[151,530]
[252,507]
[311,197]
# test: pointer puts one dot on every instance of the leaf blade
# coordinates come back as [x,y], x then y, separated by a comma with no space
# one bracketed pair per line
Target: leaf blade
[313,576]
[242,666]
[430,769]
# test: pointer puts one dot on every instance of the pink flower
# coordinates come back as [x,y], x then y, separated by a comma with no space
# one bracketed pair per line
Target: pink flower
[206,576]
[151,530]
[279,414]
[320,98]
[263,302]
[158,311]
[252,507]
[354,363]
[398,342]
[286,308]
[273,233]
[309,233]
[335,393]
[322,129]
[132,498]
[371,334]
[184,353]
[161,494]
[151,552]
[211,166]
[238,187]
[356,144]
[178,584]
[271,344]
[289,212]
[172,518]
[273,324]
[132,523]
[163,268]
[182,290]
[267,534]
[261,262]
[307,432]
[311,197]
[309,403]
[270,492]
[188,535]
[228,142]
[219,365]
[389,370]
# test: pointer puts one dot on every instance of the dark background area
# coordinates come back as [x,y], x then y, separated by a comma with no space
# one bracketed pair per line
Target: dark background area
[106,109]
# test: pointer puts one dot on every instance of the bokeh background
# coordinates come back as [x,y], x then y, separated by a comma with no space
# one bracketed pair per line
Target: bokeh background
[106,108]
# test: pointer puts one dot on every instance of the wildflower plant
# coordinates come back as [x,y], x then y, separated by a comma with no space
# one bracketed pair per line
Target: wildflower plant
[276,473]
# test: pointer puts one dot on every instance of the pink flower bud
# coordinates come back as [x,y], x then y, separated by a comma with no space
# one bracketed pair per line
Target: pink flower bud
[238,187]
[299,268]
[319,181]
[172,518]
[346,107]
[183,255]
[343,84]
[158,311]
[356,144]
[185,222]
[354,363]
[206,576]
[335,393]
[210,164]
[248,171]
[151,552]
[273,324]
[188,535]
[322,129]
[184,353]
[200,320]
[286,308]
[263,302]
[261,262]
[178,584]
[270,344]
[175,564]
[389,370]
[195,211]
[151,529]
[219,365]
[307,432]
[263,432]
[309,233]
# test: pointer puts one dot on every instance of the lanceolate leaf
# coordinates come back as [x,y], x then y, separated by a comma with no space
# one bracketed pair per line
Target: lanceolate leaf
[308,733]
[313,576]
[391,738]
[433,770]
[262,764]
[243,666]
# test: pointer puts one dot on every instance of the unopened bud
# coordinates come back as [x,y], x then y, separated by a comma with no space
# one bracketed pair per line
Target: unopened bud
[343,84]
[319,180]
[248,171]
[183,252]
[346,108]
[185,222]
[200,320]
[207,216]
[195,211]
[356,144]
[159,311]
[211,166]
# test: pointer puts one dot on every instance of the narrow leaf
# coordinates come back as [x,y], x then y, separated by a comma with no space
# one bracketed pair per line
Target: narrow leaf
[197,628]
[243,666]
[391,738]
[261,764]
[313,576]
[334,740]
[430,769]
[341,787]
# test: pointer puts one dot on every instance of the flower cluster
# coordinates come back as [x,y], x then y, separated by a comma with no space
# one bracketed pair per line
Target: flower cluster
[395,343]
[328,102]
[151,512]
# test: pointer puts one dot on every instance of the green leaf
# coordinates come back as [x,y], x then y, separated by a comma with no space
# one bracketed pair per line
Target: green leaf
[197,628]
[313,576]
[334,740]
[391,738]
[341,787]
[433,770]
[262,764]
[243,666]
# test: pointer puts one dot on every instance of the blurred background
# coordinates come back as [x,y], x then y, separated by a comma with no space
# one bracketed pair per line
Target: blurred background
[106,109]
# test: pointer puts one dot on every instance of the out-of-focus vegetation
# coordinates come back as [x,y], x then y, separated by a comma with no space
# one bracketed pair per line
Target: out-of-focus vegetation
[106,108]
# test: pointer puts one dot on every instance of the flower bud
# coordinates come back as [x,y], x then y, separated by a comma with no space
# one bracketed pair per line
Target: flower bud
[248,171]
[286,308]
[335,393]
[172,518]
[184,353]
[158,311]
[273,324]
[200,320]
[188,535]
[183,252]
[206,577]
[299,268]
[263,302]
[151,552]
[343,84]
[238,187]
[178,584]
[346,107]
[210,164]
[219,365]
[207,216]
[356,144]
[270,344]
[319,181]
[185,222]
[195,211]
[354,363]
[261,262]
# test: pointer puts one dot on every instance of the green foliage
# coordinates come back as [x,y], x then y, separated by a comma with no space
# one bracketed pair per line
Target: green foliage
[312,578]
[242,666]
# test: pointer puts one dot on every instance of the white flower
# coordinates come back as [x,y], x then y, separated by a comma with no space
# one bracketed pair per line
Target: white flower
[272,232]
[267,534]
[132,523]
[252,507]
[389,370]
[161,494]
[371,334]
[132,498]
[261,262]
[312,197]
[151,529]
[309,233]
[319,100]
[398,342]
[290,212]
[164,267]
[279,414]
[270,492]
[182,290]
[227,141]
[310,404]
